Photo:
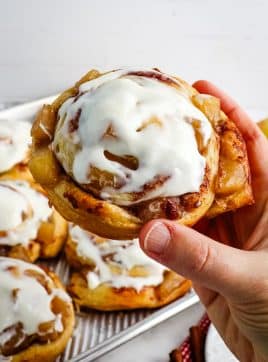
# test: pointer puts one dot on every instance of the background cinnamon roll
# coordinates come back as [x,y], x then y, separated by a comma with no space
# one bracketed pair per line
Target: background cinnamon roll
[36,314]
[130,145]
[117,275]
[29,227]
[15,140]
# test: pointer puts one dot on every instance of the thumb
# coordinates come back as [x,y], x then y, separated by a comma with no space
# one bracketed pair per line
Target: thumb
[195,256]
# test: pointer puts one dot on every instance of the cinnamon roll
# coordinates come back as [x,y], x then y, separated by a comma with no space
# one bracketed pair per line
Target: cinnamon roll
[36,314]
[15,140]
[29,228]
[127,146]
[117,275]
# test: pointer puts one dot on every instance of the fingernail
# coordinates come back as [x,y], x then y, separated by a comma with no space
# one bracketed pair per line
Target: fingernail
[157,238]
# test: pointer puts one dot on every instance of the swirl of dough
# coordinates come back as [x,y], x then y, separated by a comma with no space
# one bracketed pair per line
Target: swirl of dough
[33,310]
[116,274]
[125,136]
[119,263]
[22,210]
[131,145]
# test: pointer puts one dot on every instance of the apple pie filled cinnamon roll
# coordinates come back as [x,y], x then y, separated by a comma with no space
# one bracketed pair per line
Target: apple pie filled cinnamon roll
[36,314]
[127,146]
[29,227]
[117,275]
[15,140]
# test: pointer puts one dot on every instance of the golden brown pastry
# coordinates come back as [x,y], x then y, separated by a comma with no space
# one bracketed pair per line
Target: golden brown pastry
[36,314]
[29,227]
[15,140]
[264,126]
[127,146]
[117,275]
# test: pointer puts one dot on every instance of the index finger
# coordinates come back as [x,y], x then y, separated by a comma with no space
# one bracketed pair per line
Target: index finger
[257,145]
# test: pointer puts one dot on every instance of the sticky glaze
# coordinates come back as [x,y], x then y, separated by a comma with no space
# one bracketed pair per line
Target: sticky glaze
[32,304]
[125,255]
[15,139]
[125,100]
[22,210]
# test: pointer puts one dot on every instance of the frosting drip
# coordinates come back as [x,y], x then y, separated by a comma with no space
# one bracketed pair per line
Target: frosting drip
[22,210]
[15,139]
[115,261]
[25,300]
[123,113]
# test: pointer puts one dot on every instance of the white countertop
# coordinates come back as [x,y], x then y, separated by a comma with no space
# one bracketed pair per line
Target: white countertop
[47,45]
[157,343]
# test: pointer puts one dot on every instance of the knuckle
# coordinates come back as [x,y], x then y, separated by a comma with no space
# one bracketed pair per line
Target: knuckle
[202,258]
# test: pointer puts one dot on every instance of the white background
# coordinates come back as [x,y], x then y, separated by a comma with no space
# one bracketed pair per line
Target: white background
[47,45]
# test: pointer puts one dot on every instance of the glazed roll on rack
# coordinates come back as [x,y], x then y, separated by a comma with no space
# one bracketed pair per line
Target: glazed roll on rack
[117,275]
[29,227]
[15,141]
[131,145]
[36,314]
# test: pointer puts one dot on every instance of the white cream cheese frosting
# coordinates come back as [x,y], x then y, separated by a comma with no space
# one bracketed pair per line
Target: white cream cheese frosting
[124,101]
[22,210]
[31,304]
[15,139]
[124,254]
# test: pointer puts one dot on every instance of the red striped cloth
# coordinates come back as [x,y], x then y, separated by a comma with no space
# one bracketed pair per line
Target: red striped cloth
[185,347]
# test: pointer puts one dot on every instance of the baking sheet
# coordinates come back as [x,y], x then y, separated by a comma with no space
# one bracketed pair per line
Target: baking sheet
[97,333]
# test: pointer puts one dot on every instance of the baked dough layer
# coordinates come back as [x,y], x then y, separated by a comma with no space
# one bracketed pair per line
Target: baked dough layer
[44,336]
[50,351]
[105,297]
[50,238]
[19,171]
[226,185]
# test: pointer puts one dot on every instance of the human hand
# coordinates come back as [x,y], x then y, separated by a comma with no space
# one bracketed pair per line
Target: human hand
[230,275]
